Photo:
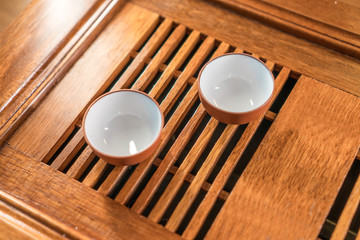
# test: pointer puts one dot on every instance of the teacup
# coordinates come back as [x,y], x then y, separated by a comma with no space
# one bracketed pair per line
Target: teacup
[235,88]
[123,127]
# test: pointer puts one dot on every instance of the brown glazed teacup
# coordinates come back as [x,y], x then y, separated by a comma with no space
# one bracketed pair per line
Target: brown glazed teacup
[235,88]
[123,127]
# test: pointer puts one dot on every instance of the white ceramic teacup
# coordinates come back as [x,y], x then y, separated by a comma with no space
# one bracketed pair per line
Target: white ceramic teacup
[235,88]
[123,127]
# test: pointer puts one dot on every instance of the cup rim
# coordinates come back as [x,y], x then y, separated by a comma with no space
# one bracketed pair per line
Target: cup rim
[136,155]
[229,112]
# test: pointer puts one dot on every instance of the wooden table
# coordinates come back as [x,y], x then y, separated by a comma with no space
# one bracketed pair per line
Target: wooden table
[293,174]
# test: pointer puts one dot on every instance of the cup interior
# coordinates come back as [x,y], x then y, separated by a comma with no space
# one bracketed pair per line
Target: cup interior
[236,83]
[123,123]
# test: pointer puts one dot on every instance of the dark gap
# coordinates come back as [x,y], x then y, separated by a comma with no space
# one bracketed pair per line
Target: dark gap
[234,140]
[275,73]
[210,219]
[247,52]
[174,203]
[157,194]
[355,223]
[141,186]
[166,90]
[179,129]
[232,49]
[248,153]
[121,183]
[327,229]
[217,133]
[177,103]
[263,59]
[88,169]
[177,49]
[350,236]
[108,89]
[283,95]
[208,57]
[190,55]
[150,35]
[74,158]
[192,140]
[344,192]
[191,212]
[56,154]
[104,175]
[153,82]
[341,199]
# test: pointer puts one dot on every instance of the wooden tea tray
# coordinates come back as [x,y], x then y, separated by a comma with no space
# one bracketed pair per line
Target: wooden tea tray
[293,174]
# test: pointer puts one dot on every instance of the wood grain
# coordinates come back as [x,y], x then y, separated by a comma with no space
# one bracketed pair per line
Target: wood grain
[347,214]
[297,54]
[44,129]
[9,11]
[29,69]
[16,225]
[312,143]
[328,23]
[89,213]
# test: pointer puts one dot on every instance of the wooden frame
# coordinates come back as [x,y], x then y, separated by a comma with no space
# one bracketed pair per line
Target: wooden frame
[53,183]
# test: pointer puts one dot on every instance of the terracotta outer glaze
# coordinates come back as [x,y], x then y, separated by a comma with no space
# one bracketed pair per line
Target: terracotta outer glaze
[233,117]
[131,159]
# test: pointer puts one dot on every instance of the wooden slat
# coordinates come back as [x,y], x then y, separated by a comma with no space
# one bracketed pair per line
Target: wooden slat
[88,78]
[347,214]
[299,55]
[126,78]
[169,159]
[189,178]
[175,63]
[95,173]
[148,50]
[280,190]
[141,83]
[188,72]
[81,163]
[112,180]
[210,198]
[118,172]
[185,167]
[69,152]
[28,57]
[71,203]
[176,118]
[161,56]
[201,176]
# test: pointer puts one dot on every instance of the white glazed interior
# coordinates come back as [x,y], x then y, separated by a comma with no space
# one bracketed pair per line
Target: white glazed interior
[236,83]
[123,123]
